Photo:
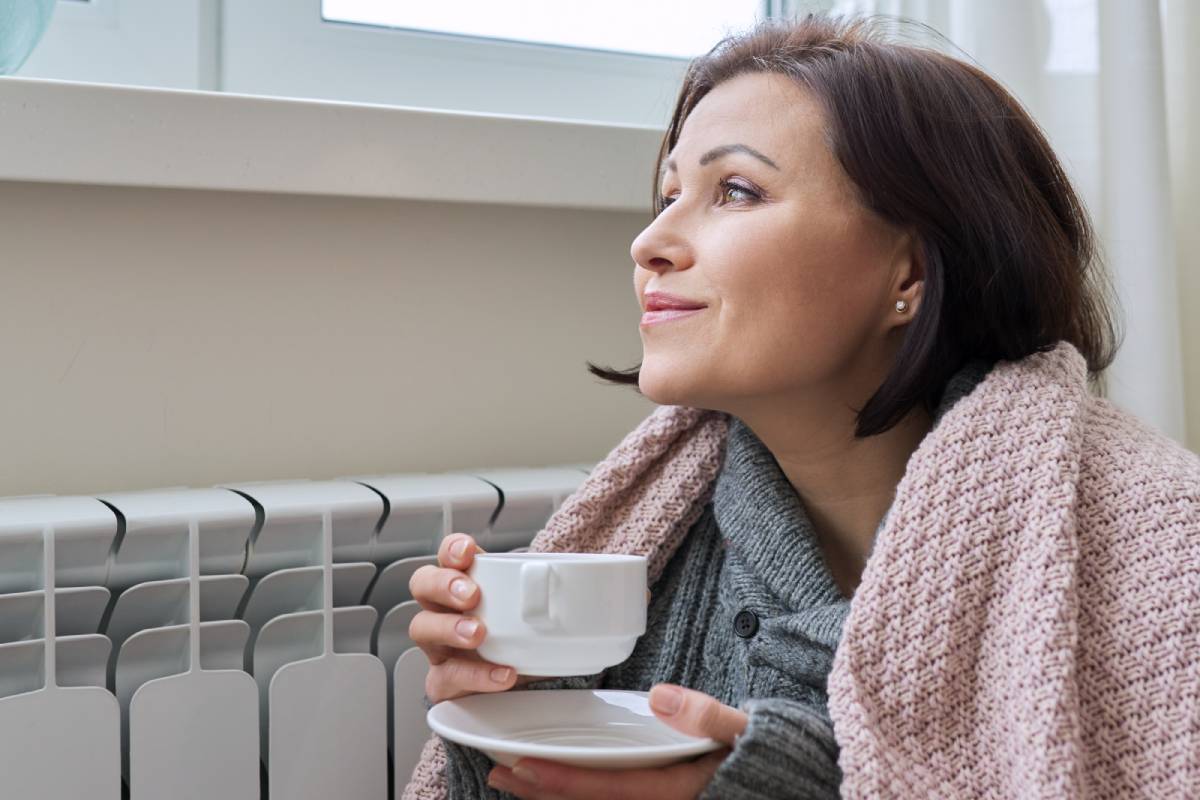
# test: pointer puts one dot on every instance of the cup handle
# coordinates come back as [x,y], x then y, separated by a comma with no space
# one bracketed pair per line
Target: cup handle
[535,595]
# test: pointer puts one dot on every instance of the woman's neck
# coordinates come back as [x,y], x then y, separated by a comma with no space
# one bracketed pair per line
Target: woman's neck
[846,484]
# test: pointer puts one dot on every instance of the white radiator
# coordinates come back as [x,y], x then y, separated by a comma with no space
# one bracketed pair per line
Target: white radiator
[242,642]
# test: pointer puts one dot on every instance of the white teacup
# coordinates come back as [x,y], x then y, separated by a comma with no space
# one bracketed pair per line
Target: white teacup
[555,614]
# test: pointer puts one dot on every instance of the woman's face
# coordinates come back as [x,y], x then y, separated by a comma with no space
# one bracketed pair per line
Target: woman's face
[797,277]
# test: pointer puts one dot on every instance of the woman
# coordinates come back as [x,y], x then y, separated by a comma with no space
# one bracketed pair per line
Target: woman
[880,393]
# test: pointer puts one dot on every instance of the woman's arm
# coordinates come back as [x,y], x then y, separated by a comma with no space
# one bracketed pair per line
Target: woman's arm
[787,752]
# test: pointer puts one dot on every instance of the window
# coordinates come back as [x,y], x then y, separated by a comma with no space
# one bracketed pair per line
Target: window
[678,29]
[615,61]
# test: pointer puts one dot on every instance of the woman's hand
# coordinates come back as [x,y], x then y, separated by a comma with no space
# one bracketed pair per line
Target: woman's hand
[696,714]
[447,635]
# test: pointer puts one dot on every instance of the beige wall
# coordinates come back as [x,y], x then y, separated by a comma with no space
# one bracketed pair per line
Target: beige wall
[170,337]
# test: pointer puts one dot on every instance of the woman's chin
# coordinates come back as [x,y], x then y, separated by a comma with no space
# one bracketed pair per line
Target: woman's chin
[664,390]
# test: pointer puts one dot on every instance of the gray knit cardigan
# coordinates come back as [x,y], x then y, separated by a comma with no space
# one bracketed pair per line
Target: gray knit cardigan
[746,611]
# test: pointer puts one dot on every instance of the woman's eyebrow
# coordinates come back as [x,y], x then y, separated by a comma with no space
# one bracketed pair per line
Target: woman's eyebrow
[724,150]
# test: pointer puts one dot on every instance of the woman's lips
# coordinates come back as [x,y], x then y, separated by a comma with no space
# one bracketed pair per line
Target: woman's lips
[666,315]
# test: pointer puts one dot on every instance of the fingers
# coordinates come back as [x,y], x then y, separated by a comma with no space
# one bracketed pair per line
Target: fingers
[458,551]
[458,676]
[441,588]
[696,713]
[431,630]
[446,587]
[449,642]
[448,637]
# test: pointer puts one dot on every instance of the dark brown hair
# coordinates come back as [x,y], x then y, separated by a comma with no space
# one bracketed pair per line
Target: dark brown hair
[934,144]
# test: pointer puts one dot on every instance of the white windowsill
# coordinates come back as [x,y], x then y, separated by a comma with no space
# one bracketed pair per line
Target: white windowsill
[68,132]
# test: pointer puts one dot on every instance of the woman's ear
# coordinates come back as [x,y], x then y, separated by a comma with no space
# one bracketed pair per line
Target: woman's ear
[908,279]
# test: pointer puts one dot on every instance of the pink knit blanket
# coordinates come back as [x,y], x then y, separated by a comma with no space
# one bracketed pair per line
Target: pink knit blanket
[1028,623]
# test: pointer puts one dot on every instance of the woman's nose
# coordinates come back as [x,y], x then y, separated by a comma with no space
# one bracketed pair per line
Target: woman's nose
[659,250]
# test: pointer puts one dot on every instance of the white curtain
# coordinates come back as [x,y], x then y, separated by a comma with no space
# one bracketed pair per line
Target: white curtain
[1115,84]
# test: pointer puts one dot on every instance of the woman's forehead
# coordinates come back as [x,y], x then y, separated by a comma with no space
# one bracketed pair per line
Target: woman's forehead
[767,113]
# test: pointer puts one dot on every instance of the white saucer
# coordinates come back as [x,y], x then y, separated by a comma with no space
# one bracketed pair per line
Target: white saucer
[595,728]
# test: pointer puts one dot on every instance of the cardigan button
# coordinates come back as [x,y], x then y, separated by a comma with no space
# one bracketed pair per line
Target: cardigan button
[745,624]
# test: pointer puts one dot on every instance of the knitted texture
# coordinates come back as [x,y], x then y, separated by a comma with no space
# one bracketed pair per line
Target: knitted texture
[1028,622]
[752,549]
[643,498]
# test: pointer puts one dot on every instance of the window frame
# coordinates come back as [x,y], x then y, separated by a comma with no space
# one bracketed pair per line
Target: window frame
[265,44]
[285,48]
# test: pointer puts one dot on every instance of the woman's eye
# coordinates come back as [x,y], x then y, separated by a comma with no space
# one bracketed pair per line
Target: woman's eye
[726,187]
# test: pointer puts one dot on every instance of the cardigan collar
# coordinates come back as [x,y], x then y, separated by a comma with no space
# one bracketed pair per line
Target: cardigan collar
[760,514]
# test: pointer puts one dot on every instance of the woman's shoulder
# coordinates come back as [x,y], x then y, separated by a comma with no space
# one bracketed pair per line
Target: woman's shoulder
[1123,444]
[1130,471]
[1048,393]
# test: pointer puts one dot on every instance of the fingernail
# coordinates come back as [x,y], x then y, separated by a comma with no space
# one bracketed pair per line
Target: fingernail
[524,773]
[500,674]
[459,548]
[666,699]
[466,628]
[460,589]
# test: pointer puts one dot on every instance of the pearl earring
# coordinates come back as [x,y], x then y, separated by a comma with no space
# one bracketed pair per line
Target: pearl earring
[901,306]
